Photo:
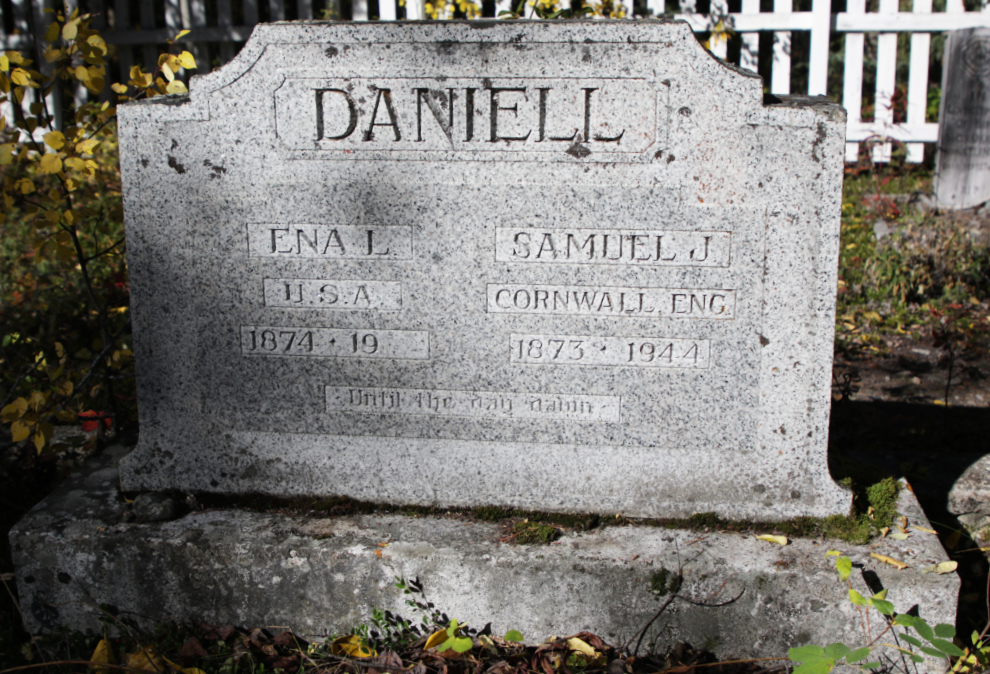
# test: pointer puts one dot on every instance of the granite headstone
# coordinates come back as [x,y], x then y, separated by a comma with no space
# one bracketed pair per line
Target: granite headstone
[566,266]
[962,177]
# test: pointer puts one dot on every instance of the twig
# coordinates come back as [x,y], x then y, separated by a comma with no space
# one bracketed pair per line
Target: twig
[647,626]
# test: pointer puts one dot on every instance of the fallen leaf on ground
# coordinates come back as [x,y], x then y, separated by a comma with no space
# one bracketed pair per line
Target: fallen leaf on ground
[889,560]
[779,540]
[352,646]
[899,536]
[925,529]
[103,655]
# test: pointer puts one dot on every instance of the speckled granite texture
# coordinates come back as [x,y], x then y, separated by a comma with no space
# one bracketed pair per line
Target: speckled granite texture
[555,265]
[321,575]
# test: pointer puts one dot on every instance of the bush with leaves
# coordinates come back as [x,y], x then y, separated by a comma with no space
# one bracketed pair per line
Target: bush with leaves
[64,343]
[935,642]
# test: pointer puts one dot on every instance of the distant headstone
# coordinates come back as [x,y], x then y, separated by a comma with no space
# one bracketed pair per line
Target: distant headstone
[962,178]
[565,266]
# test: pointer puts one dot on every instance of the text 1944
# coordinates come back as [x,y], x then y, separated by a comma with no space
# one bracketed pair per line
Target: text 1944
[610,351]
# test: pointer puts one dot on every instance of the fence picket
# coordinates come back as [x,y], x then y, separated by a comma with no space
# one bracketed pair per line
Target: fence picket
[883,111]
[852,84]
[359,10]
[387,10]
[780,74]
[749,53]
[917,103]
[250,8]
[818,50]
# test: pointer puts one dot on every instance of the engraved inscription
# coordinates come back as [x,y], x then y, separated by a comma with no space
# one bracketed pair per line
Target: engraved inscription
[534,114]
[345,295]
[482,404]
[326,241]
[334,342]
[710,303]
[610,351]
[613,246]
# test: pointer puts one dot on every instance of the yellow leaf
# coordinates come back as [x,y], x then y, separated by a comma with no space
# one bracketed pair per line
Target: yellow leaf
[51,163]
[884,531]
[779,540]
[19,431]
[927,531]
[70,30]
[4,63]
[187,60]
[899,536]
[21,77]
[872,315]
[833,553]
[182,33]
[54,139]
[146,659]
[97,42]
[946,567]
[6,153]
[75,163]
[119,88]
[176,87]
[87,146]
[103,655]
[42,436]
[14,410]
[52,33]
[52,54]
[889,560]
[81,73]
[352,646]
[435,640]
[167,72]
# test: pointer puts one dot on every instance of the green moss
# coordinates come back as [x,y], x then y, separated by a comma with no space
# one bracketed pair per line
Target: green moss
[664,582]
[533,533]
[882,497]
[870,487]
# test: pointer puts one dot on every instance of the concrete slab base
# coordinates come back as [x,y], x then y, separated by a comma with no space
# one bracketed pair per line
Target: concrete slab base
[320,576]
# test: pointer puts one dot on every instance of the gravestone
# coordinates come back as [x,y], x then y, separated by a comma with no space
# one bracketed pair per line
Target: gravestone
[565,266]
[962,177]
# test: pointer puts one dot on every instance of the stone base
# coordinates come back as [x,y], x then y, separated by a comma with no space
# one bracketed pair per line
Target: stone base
[320,576]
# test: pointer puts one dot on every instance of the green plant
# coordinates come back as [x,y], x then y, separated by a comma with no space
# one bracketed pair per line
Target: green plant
[63,277]
[931,641]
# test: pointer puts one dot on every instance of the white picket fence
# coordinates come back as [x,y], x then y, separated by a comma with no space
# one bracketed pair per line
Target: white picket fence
[221,26]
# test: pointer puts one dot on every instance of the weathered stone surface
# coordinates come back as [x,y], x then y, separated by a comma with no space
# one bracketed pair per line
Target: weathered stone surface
[154,507]
[962,176]
[321,575]
[555,265]
[971,492]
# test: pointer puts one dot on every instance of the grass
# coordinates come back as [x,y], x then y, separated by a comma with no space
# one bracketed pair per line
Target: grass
[928,270]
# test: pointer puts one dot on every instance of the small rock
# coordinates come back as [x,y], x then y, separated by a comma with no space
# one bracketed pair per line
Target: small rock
[971,492]
[881,229]
[155,507]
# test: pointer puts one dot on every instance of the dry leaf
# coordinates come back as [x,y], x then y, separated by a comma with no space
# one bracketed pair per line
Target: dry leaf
[899,536]
[103,655]
[925,529]
[435,640]
[146,659]
[889,560]
[946,567]
[779,540]
[884,532]
[352,646]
